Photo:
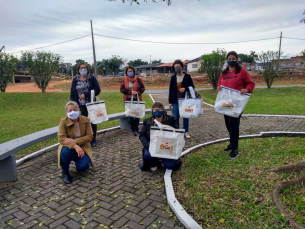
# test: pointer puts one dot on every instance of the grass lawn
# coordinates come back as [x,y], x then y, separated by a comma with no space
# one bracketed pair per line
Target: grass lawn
[26,113]
[223,193]
[287,100]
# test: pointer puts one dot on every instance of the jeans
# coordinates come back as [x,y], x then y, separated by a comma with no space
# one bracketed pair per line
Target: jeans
[232,125]
[84,112]
[177,116]
[67,155]
[168,163]
[133,122]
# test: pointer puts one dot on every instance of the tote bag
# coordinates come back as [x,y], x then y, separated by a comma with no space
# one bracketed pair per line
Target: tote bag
[190,107]
[135,109]
[166,141]
[97,112]
[230,102]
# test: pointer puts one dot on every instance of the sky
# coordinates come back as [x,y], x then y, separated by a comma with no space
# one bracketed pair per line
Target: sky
[29,24]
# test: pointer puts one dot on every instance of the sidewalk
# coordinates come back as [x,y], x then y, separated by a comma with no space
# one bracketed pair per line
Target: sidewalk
[115,193]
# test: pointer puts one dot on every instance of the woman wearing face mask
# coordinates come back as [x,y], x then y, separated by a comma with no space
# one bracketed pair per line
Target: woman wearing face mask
[80,92]
[74,135]
[159,113]
[235,77]
[179,85]
[132,86]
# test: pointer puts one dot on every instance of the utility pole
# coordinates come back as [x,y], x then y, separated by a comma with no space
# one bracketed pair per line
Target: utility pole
[278,64]
[150,58]
[94,58]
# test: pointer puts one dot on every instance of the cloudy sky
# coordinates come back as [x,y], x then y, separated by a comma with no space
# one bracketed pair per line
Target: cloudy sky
[28,24]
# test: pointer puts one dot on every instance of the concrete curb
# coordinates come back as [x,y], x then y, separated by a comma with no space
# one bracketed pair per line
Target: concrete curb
[174,204]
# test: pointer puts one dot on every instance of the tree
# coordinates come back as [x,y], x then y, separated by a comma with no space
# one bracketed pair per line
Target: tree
[157,61]
[270,62]
[303,56]
[246,58]
[41,66]
[8,64]
[212,64]
[136,63]
[137,1]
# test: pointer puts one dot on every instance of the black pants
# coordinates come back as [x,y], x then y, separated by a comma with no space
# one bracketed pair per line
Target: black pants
[133,122]
[84,112]
[232,125]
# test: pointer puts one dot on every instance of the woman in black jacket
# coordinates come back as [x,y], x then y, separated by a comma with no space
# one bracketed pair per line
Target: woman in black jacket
[159,113]
[80,92]
[179,85]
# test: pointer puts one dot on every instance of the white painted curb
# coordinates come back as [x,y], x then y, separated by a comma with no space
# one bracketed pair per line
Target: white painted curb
[151,98]
[174,204]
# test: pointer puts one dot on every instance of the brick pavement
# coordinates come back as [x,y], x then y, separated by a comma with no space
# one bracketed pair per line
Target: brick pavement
[115,193]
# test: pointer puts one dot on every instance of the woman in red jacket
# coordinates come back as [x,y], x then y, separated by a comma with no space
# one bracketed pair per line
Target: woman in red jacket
[235,77]
[131,85]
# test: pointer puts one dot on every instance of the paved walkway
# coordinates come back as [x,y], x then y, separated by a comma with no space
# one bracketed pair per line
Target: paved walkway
[115,193]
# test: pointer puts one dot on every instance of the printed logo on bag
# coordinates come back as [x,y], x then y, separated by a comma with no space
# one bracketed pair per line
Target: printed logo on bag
[167,146]
[188,110]
[100,114]
[135,112]
[229,105]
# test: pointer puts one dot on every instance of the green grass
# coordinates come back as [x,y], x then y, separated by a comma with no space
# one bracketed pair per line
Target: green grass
[224,193]
[26,113]
[287,100]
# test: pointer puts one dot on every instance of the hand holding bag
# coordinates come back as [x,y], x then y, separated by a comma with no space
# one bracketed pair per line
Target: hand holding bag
[230,102]
[97,112]
[190,107]
[166,141]
[135,109]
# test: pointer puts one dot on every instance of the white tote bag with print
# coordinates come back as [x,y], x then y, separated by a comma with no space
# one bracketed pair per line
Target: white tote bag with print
[230,102]
[97,112]
[190,107]
[166,141]
[135,109]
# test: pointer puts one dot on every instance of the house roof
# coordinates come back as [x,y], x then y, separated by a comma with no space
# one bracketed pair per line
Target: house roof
[147,66]
[170,64]
[195,60]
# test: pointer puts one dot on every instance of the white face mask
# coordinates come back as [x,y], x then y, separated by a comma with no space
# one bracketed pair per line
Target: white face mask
[73,115]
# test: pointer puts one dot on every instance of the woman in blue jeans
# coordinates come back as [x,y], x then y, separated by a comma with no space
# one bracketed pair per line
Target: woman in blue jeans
[74,135]
[159,113]
[179,85]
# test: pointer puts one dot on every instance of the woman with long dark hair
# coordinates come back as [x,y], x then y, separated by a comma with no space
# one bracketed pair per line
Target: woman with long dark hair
[179,85]
[235,77]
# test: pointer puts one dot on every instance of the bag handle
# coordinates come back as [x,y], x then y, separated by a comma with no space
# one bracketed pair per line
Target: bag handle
[137,98]
[93,95]
[162,126]
[192,92]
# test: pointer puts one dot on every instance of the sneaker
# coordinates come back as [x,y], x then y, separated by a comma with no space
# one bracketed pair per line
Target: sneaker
[228,148]
[153,168]
[93,142]
[187,135]
[134,133]
[233,154]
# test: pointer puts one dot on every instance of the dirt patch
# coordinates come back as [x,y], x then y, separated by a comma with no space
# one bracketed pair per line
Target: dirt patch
[32,87]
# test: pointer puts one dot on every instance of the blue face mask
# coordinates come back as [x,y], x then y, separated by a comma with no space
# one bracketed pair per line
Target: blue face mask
[232,63]
[130,74]
[178,70]
[158,114]
[83,72]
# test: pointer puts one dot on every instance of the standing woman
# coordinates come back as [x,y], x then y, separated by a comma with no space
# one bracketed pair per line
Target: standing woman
[132,85]
[235,77]
[179,85]
[80,92]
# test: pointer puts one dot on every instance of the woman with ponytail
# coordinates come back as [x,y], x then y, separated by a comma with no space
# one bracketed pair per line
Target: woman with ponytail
[235,77]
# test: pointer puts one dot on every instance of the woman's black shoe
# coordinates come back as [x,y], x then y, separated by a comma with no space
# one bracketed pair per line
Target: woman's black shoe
[228,148]
[66,177]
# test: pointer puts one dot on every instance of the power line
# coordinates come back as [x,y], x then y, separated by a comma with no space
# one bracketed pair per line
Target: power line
[174,43]
[294,38]
[52,44]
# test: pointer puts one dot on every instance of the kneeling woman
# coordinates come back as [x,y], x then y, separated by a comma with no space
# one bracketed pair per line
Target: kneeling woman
[159,113]
[74,135]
